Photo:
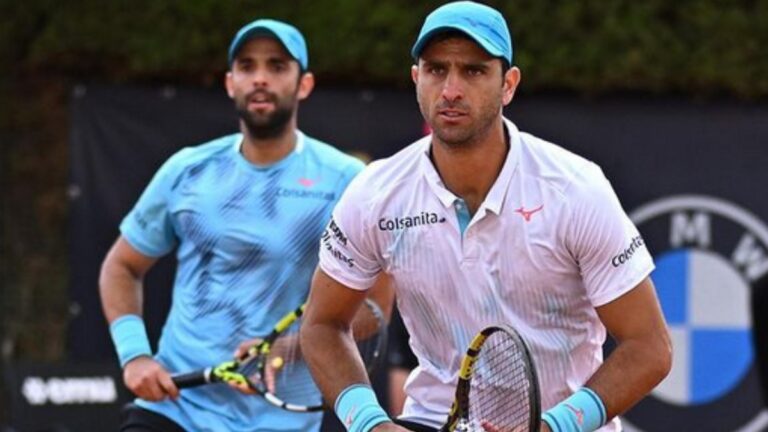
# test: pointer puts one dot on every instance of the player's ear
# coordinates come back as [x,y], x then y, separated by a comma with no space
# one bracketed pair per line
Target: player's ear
[306,84]
[415,74]
[229,85]
[511,81]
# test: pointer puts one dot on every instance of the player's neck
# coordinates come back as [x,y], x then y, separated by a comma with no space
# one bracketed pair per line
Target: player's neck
[470,171]
[266,151]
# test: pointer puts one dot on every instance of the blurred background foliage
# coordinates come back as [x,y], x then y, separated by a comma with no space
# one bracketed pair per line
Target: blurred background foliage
[692,49]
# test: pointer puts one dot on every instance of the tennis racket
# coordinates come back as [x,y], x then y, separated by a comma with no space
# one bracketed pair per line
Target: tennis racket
[498,389]
[275,368]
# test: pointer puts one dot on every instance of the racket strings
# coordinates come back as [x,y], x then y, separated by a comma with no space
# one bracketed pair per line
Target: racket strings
[500,387]
[282,372]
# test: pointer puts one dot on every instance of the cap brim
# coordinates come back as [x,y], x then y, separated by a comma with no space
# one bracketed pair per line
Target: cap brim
[260,31]
[250,34]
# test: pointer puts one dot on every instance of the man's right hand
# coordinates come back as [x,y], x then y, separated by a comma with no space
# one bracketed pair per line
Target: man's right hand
[149,380]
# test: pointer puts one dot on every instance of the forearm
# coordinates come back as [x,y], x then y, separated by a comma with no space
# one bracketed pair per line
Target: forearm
[332,356]
[120,290]
[643,354]
[630,372]
[335,317]
[642,358]
[120,281]
[120,287]
[330,350]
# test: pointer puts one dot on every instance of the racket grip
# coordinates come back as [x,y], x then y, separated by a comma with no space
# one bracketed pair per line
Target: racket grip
[192,379]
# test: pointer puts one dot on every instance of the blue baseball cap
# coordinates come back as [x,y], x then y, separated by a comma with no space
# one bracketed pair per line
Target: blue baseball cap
[481,23]
[286,34]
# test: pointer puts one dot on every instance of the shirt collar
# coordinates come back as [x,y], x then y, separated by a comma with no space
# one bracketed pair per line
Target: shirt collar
[494,201]
[446,197]
[298,149]
[299,142]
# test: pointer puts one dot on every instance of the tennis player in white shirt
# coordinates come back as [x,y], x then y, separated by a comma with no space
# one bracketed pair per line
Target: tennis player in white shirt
[480,224]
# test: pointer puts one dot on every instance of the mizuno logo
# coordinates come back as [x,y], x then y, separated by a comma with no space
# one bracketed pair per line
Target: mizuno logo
[526,214]
[350,417]
[306,182]
[579,413]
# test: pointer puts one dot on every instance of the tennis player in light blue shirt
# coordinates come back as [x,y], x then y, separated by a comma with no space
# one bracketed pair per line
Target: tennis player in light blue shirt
[244,214]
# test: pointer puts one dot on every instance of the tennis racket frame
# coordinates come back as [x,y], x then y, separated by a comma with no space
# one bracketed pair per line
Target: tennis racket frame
[460,408]
[227,372]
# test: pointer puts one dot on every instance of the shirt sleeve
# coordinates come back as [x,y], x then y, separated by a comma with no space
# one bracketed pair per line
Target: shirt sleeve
[611,254]
[148,226]
[347,251]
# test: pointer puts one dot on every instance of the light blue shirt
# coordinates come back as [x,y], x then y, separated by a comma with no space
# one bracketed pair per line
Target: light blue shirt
[247,244]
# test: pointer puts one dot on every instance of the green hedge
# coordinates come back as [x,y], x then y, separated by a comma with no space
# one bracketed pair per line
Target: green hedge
[697,47]
[590,47]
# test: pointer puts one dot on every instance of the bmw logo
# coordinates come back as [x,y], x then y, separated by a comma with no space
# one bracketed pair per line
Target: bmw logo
[709,253]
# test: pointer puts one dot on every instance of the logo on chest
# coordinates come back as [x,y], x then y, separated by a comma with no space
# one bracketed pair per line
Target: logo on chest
[528,213]
[305,194]
[405,222]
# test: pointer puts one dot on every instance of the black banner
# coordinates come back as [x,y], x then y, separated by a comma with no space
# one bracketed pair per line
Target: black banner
[691,175]
[66,397]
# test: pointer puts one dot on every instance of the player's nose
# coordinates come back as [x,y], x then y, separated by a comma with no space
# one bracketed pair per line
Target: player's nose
[452,88]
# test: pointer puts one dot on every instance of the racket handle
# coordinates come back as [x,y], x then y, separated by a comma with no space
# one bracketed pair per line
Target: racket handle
[192,379]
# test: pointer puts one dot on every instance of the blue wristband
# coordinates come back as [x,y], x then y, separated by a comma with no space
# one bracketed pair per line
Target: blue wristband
[583,411]
[130,338]
[357,408]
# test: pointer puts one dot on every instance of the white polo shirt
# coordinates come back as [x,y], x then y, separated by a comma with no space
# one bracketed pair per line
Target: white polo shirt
[549,244]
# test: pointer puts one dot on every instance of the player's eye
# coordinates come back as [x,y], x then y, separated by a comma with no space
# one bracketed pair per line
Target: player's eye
[475,71]
[436,70]
[278,66]
[244,65]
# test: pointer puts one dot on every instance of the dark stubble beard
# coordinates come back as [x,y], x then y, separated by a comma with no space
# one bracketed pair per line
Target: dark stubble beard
[270,126]
[461,138]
